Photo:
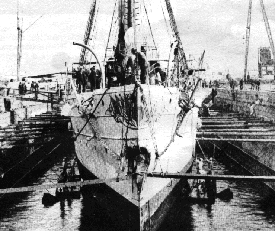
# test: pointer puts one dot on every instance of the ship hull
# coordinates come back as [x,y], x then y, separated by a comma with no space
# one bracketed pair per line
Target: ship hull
[125,214]
[106,147]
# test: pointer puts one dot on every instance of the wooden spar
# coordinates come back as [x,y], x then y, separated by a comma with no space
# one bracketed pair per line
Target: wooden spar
[60,185]
[236,133]
[237,140]
[212,177]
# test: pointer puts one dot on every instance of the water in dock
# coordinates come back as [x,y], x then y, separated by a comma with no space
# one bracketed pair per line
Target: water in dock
[248,210]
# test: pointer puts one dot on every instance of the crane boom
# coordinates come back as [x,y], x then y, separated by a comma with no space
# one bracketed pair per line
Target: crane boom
[176,32]
[88,32]
[247,37]
[267,27]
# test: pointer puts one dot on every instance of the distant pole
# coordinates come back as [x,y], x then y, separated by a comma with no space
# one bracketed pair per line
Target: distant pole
[247,38]
[19,39]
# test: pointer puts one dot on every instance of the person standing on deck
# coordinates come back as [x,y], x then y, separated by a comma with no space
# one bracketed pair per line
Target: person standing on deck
[143,64]
[98,78]
[20,88]
[80,80]
[241,84]
[92,78]
[158,77]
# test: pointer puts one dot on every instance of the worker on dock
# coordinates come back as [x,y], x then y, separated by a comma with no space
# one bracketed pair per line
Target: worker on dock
[200,170]
[210,165]
[252,109]
[92,78]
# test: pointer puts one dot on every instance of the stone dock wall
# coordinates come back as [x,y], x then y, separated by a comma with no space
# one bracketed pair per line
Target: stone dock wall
[257,157]
[240,101]
[22,110]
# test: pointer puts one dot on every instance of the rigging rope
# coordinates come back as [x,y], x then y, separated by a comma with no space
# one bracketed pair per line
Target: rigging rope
[91,114]
[149,25]
[110,31]
[31,169]
[166,23]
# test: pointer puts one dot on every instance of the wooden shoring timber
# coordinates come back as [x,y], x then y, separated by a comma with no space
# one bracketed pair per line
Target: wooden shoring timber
[237,130]
[60,185]
[31,136]
[51,116]
[37,100]
[31,126]
[41,123]
[42,120]
[224,117]
[236,125]
[156,175]
[225,122]
[232,119]
[235,140]
[16,144]
[27,130]
[212,177]
[235,134]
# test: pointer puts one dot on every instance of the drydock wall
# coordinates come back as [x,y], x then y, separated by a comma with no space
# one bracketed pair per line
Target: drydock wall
[29,109]
[257,157]
[240,101]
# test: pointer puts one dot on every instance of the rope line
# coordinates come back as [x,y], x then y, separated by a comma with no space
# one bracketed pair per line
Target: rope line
[110,32]
[149,24]
[11,188]
[91,113]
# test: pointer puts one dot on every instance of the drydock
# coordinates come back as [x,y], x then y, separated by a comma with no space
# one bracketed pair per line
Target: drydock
[227,131]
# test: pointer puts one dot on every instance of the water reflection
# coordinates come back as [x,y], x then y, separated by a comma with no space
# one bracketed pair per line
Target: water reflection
[250,209]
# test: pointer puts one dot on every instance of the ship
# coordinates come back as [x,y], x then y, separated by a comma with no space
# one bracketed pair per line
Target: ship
[126,130]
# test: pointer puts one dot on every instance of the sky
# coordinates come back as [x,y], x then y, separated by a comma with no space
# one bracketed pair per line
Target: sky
[216,26]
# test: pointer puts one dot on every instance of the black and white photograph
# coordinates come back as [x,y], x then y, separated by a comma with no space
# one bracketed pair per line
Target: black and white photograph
[137,115]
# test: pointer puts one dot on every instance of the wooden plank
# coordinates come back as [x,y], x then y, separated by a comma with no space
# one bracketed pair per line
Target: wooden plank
[212,177]
[60,185]
[236,140]
[237,130]
[236,133]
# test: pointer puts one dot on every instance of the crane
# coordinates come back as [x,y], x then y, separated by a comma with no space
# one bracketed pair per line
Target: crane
[88,32]
[267,27]
[247,38]
[268,30]
[176,33]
